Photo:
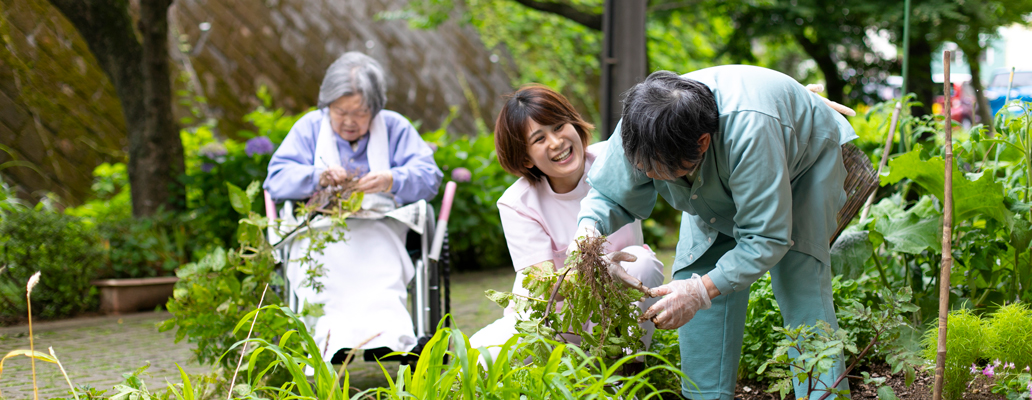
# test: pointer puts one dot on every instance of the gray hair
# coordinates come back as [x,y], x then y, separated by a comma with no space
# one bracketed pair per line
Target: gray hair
[354,73]
[663,118]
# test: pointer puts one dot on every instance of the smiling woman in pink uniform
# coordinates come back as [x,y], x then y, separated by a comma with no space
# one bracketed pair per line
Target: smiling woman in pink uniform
[543,140]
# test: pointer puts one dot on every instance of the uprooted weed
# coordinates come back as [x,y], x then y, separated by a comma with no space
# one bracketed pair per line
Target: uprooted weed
[581,300]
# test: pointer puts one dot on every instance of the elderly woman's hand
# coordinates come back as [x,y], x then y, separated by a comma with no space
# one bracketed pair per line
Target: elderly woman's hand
[374,182]
[333,176]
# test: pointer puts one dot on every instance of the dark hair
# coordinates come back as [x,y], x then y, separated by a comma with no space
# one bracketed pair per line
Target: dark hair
[546,107]
[663,119]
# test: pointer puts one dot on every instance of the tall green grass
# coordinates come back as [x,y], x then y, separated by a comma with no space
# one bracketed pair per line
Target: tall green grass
[449,368]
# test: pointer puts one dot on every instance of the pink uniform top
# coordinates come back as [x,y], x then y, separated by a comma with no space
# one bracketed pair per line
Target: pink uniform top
[539,223]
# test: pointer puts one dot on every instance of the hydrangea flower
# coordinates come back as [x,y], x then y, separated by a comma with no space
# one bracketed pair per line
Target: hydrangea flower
[989,371]
[259,145]
[461,174]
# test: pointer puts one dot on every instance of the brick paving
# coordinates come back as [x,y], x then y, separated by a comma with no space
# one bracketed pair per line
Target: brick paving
[94,351]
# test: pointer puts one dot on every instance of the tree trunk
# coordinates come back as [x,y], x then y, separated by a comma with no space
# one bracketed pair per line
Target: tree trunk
[981,103]
[140,75]
[834,85]
[919,77]
[159,152]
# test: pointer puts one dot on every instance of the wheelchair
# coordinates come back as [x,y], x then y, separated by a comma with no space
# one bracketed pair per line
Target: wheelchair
[429,292]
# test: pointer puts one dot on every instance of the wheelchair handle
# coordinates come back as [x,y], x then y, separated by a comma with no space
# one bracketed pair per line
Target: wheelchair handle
[442,221]
[270,206]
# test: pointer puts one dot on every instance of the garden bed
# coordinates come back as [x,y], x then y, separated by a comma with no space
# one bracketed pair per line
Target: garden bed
[920,390]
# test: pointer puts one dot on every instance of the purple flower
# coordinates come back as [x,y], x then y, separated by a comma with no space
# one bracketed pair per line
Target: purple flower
[1027,369]
[996,362]
[1008,365]
[433,147]
[207,167]
[259,145]
[989,371]
[975,369]
[461,174]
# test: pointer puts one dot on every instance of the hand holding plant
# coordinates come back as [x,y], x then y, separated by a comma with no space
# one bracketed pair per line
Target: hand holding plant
[683,299]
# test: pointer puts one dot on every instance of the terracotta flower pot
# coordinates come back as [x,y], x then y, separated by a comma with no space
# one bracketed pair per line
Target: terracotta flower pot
[119,296]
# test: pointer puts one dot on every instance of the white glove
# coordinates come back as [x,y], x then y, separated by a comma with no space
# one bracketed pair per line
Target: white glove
[683,298]
[585,230]
[620,275]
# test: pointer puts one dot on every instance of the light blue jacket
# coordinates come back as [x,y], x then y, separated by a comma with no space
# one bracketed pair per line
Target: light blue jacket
[772,178]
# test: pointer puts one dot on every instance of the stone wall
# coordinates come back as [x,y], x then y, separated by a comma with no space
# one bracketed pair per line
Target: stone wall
[59,113]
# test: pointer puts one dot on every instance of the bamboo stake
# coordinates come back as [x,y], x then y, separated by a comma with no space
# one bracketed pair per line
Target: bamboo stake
[947,237]
[884,158]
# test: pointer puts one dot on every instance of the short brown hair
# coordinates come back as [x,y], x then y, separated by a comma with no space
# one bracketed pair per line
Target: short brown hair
[546,107]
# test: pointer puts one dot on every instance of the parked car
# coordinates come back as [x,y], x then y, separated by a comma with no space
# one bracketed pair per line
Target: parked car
[962,103]
[996,90]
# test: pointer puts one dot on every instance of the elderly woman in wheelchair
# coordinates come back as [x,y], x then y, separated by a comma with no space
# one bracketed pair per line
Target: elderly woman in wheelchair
[352,140]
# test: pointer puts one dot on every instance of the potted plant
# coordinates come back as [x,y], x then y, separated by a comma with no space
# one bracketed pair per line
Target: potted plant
[141,257]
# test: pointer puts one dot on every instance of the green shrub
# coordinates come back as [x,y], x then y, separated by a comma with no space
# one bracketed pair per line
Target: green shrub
[134,247]
[764,315]
[474,229]
[965,338]
[66,252]
[1009,336]
[759,337]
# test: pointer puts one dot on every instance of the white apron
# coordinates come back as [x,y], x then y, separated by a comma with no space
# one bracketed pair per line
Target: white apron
[364,288]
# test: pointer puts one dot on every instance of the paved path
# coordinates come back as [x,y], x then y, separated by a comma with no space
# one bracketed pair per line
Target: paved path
[96,352]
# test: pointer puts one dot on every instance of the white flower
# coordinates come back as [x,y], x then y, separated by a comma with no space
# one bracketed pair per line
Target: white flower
[32,282]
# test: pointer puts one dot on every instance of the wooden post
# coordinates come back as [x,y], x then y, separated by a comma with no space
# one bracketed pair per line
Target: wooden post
[624,60]
[947,236]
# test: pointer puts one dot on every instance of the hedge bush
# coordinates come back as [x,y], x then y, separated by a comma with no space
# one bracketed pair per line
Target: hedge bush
[66,251]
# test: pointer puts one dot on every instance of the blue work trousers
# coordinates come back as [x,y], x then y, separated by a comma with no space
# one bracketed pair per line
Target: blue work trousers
[711,343]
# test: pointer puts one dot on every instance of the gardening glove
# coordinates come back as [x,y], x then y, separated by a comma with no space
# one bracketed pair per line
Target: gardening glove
[333,176]
[683,298]
[375,182]
[619,274]
[585,231]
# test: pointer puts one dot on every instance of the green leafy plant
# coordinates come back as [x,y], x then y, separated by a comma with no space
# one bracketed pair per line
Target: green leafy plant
[475,234]
[225,285]
[65,250]
[760,338]
[817,347]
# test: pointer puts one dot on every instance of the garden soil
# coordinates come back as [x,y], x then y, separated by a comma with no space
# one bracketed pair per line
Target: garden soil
[920,390]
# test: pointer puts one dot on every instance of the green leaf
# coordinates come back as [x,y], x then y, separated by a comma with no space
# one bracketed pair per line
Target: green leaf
[252,190]
[499,297]
[911,233]
[849,253]
[971,199]
[1021,235]
[886,393]
[238,199]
